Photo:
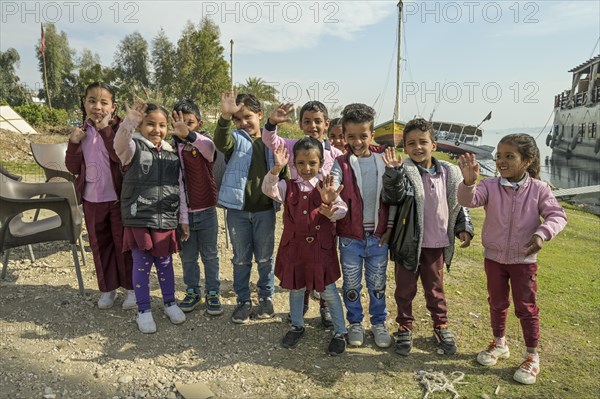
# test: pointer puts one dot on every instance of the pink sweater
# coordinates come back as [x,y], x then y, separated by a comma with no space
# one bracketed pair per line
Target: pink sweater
[512,217]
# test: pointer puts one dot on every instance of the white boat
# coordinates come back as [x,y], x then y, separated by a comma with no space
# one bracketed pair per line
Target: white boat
[577,114]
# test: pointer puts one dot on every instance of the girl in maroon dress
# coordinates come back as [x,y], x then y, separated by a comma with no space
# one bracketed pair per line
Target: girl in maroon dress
[307,257]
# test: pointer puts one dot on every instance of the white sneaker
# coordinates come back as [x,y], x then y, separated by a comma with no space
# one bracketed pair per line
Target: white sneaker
[356,334]
[175,314]
[130,301]
[490,356]
[381,335]
[528,371]
[146,323]
[107,299]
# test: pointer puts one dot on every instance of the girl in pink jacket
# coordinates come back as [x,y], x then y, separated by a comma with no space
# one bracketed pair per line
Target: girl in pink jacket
[512,235]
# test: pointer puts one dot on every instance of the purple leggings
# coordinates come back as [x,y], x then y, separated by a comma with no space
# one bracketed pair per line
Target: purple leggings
[142,265]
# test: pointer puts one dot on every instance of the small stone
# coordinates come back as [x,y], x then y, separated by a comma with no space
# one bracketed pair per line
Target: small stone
[47,390]
[171,395]
[485,396]
[50,396]
[125,379]
[380,366]
[440,351]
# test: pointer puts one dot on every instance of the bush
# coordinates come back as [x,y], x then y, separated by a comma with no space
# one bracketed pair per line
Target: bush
[40,115]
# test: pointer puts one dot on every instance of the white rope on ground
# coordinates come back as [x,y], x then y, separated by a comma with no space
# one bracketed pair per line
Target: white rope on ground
[437,381]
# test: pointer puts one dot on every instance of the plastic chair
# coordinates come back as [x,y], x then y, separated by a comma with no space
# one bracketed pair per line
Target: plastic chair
[51,158]
[59,197]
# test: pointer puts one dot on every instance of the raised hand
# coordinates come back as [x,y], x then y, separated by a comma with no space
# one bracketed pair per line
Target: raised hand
[469,168]
[281,114]
[228,105]
[180,129]
[390,158]
[76,135]
[328,191]
[534,245]
[281,156]
[103,122]
[137,113]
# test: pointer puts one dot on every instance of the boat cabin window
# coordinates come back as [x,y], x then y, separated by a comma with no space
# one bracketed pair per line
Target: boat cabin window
[591,130]
[572,130]
[555,129]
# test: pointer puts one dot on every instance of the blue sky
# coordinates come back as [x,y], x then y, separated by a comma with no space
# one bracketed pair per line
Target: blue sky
[471,57]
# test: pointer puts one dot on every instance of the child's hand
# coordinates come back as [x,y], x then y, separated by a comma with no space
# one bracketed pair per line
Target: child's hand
[469,168]
[185,232]
[228,105]
[534,245]
[180,129]
[385,237]
[137,113]
[390,158]
[281,114]
[281,158]
[76,135]
[327,210]
[465,239]
[328,191]
[102,123]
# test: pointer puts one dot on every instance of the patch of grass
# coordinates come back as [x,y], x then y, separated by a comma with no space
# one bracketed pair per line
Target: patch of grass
[23,168]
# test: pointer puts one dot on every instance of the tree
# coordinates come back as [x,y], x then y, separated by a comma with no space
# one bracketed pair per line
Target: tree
[62,85]
[11,90]
[260,89]
[163,59]
[131,62]
[202,71]
[91,70]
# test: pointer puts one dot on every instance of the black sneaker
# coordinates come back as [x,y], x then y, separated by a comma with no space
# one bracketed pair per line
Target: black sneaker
[445,339]
[191,300]
[337,345]
[241,314]
[404,340]
[326,319]
[304,310]
[292,337]
[265,308]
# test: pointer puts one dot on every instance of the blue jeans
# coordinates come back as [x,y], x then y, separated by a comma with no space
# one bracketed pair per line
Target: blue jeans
[330,295]
[252,233]
[203,240]
[353,254]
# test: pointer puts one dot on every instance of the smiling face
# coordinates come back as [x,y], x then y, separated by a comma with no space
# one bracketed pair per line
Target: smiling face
[154,127]
[247,120]
[98,102]
[419,146]
[307,163]
[336,136]
[359,137]
[314,124]
[509,162]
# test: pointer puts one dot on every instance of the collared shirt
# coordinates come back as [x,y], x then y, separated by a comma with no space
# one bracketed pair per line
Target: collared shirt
[435,205]
[98,185]
[277,189]
[516,185]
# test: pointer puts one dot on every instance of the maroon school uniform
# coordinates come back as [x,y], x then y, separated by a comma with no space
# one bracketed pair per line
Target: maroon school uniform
[307,256]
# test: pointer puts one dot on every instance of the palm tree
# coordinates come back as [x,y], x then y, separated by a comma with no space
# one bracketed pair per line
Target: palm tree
[260,89]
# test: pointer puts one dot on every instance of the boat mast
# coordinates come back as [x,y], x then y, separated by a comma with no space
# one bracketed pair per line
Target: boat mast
[396,116]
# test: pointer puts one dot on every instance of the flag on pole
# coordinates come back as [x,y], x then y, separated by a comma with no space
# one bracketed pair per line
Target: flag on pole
[43,41]
[488,117]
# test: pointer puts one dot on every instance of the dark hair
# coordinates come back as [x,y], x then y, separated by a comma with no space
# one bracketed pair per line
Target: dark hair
[528,150]
[155,107]
[358,113]
[313,106]
[250,101]
[187,106]
[418,124]
[308,143]
[101,85]
[334,122]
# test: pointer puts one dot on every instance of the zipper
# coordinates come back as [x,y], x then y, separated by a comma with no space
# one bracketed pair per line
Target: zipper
[160,189]
[510,223]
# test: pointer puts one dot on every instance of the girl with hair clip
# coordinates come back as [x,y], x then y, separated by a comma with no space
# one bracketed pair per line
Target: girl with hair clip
[512,236]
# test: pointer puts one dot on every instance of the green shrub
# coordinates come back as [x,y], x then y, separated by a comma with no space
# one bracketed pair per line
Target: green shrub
[40,115]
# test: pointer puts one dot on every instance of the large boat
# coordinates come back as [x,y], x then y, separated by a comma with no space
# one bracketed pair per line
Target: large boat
[577,114]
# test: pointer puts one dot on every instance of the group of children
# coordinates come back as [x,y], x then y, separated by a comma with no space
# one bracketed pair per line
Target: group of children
[345,192]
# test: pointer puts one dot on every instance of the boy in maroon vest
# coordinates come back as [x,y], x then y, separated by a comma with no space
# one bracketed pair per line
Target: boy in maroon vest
[197,154]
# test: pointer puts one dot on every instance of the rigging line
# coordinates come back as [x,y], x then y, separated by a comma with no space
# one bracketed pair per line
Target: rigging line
[408,68]
[594,48]
[387,79]
[544,128]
